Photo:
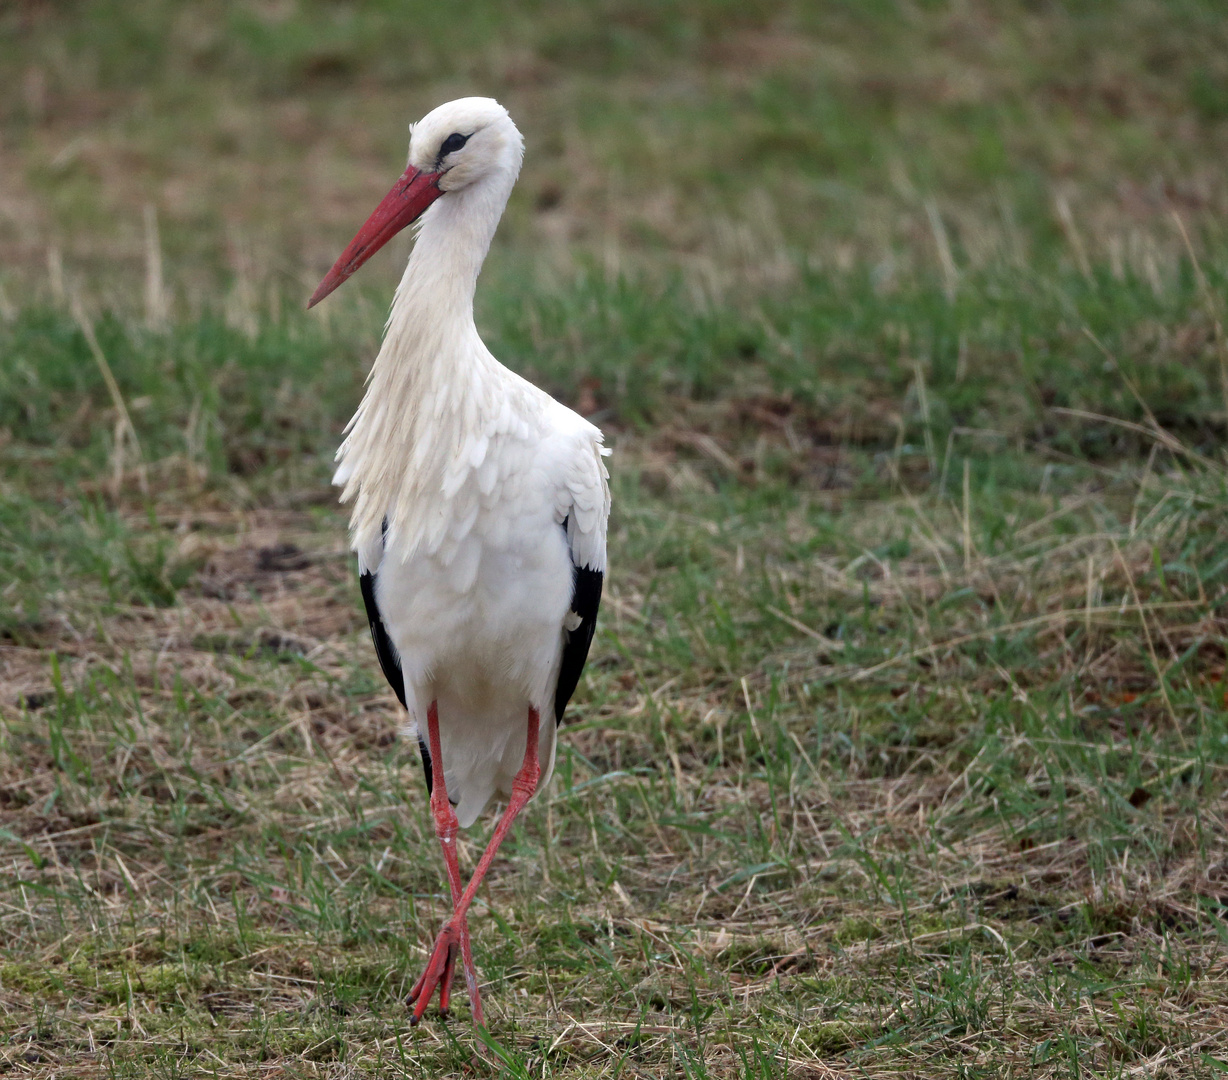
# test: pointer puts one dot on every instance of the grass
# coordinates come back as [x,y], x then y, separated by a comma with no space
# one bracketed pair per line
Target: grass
[903,744]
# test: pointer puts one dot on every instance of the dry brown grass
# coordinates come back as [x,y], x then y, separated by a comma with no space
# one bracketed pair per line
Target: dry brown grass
[902,749]
[219,855]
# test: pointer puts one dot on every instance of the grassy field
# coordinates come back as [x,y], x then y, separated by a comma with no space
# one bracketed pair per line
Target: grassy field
[903,747]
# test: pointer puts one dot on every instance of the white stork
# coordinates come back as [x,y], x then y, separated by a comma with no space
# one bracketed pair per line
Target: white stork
[479,510]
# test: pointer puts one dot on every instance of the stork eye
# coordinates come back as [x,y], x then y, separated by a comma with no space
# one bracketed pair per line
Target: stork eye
[453,142]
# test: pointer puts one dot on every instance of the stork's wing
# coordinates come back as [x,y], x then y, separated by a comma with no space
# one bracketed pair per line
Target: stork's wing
[584,516]
[385,651]
[582,623]
[389,659]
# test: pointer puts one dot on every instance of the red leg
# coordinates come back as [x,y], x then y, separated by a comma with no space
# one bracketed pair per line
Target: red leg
[439,966]
[446,828]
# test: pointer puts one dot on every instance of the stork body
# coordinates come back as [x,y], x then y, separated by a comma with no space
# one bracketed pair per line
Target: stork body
[479,508]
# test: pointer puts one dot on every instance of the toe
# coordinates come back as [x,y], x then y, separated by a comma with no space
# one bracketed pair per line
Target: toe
[438,973]
[445,980]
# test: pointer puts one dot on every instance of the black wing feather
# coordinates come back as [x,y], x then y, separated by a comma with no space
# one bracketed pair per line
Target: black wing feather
[385,651]
[389,659]
[585,600]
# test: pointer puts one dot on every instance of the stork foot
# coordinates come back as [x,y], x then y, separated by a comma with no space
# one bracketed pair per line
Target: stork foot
[439,971]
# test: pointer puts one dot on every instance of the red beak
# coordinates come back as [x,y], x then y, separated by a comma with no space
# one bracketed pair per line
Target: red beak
[402,206]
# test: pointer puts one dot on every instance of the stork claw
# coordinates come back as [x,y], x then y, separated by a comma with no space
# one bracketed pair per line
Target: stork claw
[439,970]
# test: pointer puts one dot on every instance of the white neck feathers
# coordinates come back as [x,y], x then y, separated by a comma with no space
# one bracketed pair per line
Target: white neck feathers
[428,386]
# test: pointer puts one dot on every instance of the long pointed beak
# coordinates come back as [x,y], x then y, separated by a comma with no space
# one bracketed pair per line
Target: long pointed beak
[402,206]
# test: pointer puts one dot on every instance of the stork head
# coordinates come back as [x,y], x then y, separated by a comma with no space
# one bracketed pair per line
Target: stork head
[463,141]
[454,146]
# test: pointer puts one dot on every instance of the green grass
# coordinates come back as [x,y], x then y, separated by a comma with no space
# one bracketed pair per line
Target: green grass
[902,748]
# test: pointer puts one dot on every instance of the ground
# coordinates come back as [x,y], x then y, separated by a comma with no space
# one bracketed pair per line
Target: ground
[902,749]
